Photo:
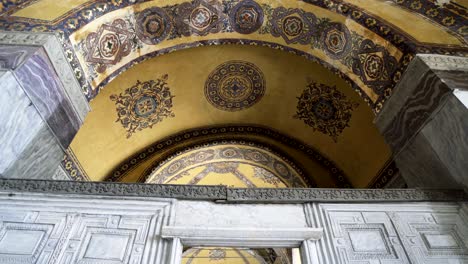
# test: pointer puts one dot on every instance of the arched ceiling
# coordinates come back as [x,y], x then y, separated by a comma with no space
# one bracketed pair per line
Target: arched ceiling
[295,106]
[347,36]
[367,43]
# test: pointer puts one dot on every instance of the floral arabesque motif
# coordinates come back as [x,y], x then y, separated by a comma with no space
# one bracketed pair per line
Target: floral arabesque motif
[325,109]
[144,105]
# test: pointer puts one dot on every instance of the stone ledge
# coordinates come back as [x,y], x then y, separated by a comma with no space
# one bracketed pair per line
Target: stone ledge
[231,195]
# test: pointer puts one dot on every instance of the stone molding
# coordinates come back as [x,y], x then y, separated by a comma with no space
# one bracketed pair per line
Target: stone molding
[222,193]
[342,195]
[51,44]
[444,62]
[241,237]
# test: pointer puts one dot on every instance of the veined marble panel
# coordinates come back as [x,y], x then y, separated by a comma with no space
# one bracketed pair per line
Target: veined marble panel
[20,121]
[39,158]
[13,56]
[46,92]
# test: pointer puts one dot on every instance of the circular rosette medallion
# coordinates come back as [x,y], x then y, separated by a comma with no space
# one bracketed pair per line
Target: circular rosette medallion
[336,40]
[246,17]
[235,85]
[153,25]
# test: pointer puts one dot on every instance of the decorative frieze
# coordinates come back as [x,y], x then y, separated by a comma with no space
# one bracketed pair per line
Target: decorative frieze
[222,193]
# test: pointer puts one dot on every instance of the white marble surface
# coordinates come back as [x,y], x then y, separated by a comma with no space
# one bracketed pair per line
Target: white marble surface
[78,229]
[193,213]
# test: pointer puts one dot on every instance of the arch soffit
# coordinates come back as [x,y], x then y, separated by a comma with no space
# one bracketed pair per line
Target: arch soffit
[370,63]
[448,16]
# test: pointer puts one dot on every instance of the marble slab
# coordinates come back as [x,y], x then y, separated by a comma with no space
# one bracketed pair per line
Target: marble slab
[41,83]
[13,56]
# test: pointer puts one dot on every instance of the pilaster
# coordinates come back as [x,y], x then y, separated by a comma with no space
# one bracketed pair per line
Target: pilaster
[42,105]
[425,122]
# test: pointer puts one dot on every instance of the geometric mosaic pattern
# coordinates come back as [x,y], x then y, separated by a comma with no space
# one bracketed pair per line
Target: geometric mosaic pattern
[152,25]
[246,17]
[109,44]
[336,40]
[199,17]
[374,65]
[144,105]
[325,109]
[293,25]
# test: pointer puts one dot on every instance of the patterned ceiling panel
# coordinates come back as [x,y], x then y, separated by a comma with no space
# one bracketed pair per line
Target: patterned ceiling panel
[334,30]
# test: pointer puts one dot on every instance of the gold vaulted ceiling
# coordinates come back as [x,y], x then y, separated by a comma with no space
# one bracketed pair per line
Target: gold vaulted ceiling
[315,111]
[104,142]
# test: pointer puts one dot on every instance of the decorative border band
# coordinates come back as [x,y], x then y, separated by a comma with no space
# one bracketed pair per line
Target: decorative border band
[221,193]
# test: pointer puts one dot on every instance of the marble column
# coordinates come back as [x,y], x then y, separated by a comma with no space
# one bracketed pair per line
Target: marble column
[425,122]
[40,113]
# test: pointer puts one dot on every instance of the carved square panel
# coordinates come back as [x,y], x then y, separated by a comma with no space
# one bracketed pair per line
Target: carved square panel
[362,237]
[110,246]
[368,241]
[432,238]
[109,239]
[23,242]
[440,241]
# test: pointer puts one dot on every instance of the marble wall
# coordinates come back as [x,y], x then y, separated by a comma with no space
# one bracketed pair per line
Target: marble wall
[109,229]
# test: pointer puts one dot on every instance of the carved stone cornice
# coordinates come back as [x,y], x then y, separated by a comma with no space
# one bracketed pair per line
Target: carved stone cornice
[444,62]
[221,193]
[343,195]
[193,192]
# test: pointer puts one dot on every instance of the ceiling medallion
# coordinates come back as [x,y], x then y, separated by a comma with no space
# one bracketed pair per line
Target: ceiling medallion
[235,85]
[293,25]
[336,40]
[153,25]
[143,105]
[246,17]
[199,17]
[325,109]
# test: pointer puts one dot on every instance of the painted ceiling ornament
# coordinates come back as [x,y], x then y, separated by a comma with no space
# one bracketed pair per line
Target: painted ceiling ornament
[153,25]
[293,25]
[325,109]
[235,85]
[336,40]
[109,44]
[144,105]
[200,17]
[246,17]
[374,65]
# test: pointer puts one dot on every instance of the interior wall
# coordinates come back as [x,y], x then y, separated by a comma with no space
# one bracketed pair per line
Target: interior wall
[48,228]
